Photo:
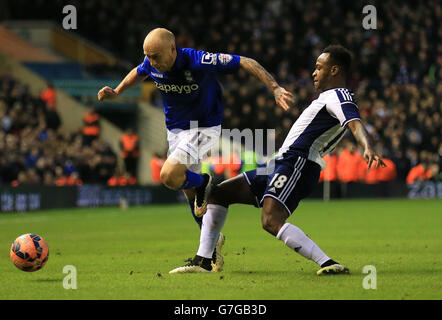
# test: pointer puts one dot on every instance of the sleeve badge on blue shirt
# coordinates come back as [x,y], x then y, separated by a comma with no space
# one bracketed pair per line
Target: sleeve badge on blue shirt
[224,58]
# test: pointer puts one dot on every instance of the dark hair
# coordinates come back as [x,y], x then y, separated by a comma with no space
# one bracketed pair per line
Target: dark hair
[339,56]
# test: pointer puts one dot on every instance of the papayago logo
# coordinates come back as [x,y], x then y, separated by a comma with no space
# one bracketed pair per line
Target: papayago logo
[184,88]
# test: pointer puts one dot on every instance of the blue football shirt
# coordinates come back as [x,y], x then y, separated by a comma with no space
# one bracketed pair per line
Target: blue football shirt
[190,90]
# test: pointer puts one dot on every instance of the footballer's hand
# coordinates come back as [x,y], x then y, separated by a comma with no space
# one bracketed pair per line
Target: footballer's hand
[107,92]
[370,156]
[283,97]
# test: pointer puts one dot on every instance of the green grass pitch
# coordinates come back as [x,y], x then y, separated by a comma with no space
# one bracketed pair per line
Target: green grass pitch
[127,254]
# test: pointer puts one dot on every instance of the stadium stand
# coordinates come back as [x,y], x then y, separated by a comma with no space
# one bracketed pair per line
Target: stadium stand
[396,75]
[32,153]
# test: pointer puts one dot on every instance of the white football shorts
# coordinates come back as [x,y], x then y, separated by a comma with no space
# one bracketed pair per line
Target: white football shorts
[191,146]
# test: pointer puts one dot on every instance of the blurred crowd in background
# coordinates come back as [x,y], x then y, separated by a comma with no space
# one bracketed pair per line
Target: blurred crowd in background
[395,75]
[34,147]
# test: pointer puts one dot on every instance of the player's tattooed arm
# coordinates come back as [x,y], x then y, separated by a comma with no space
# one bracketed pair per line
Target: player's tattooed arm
[255,69]
[362,137]
[282,96]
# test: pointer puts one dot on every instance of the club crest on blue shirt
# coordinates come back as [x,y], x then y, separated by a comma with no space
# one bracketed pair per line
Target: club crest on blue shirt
[209,58]
[188,76]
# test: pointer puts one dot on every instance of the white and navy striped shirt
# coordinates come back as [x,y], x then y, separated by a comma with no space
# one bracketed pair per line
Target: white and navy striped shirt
[320,126]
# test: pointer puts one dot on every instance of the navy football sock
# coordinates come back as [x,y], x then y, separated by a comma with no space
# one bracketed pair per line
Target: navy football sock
[193,180]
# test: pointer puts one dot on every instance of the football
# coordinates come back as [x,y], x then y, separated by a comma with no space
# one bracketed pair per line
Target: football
[29,252]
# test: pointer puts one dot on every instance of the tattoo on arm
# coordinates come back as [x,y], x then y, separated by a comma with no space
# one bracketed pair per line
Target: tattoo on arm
[254,68]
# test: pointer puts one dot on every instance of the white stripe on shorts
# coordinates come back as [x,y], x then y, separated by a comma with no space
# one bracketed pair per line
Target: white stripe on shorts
[292,184]
[291,177]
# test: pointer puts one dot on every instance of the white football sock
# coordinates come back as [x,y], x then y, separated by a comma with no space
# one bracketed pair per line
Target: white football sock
[213,222]
[296,239]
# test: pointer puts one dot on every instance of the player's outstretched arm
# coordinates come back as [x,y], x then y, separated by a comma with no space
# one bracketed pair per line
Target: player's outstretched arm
[282,96]
[131,80]
[362,137]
